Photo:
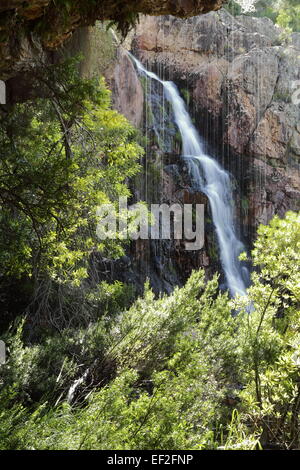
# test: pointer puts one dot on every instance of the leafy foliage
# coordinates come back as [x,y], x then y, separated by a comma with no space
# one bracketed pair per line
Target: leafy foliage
[62,155]
[285,13]
[179,372]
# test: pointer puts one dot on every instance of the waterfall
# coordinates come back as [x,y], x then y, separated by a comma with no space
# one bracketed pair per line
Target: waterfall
[213,181]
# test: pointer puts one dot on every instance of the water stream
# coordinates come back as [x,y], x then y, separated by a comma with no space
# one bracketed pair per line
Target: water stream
[213,181]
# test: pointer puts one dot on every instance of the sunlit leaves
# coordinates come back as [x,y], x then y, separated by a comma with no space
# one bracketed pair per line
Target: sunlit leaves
[62,156]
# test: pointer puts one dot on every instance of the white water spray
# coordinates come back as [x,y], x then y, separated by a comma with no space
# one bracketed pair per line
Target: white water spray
[213,181]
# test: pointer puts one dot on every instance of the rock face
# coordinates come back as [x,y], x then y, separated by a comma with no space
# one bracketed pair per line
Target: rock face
[29,27]
[109,61]
[128,94]
[242,83]
[166,263]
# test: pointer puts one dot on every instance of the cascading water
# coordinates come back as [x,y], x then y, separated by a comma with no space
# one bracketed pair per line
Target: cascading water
[213,181]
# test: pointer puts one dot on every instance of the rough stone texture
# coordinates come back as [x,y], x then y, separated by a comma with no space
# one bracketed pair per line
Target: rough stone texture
[128,94]
[242,81]
[113,63]
[29,26]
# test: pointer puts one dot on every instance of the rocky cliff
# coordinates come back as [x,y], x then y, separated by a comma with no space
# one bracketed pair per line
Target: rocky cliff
[30,28]
[239,77]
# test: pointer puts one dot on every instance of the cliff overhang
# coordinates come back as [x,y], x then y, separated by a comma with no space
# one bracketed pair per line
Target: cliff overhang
[31,27]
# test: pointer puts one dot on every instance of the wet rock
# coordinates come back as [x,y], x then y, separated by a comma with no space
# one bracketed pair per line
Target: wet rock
[240,76]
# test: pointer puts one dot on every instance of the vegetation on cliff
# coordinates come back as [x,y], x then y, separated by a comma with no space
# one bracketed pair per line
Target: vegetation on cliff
[285,13]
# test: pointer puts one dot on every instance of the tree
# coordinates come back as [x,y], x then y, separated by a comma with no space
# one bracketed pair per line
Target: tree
[285,13]
[62,155]
[270,334]
[193,370]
